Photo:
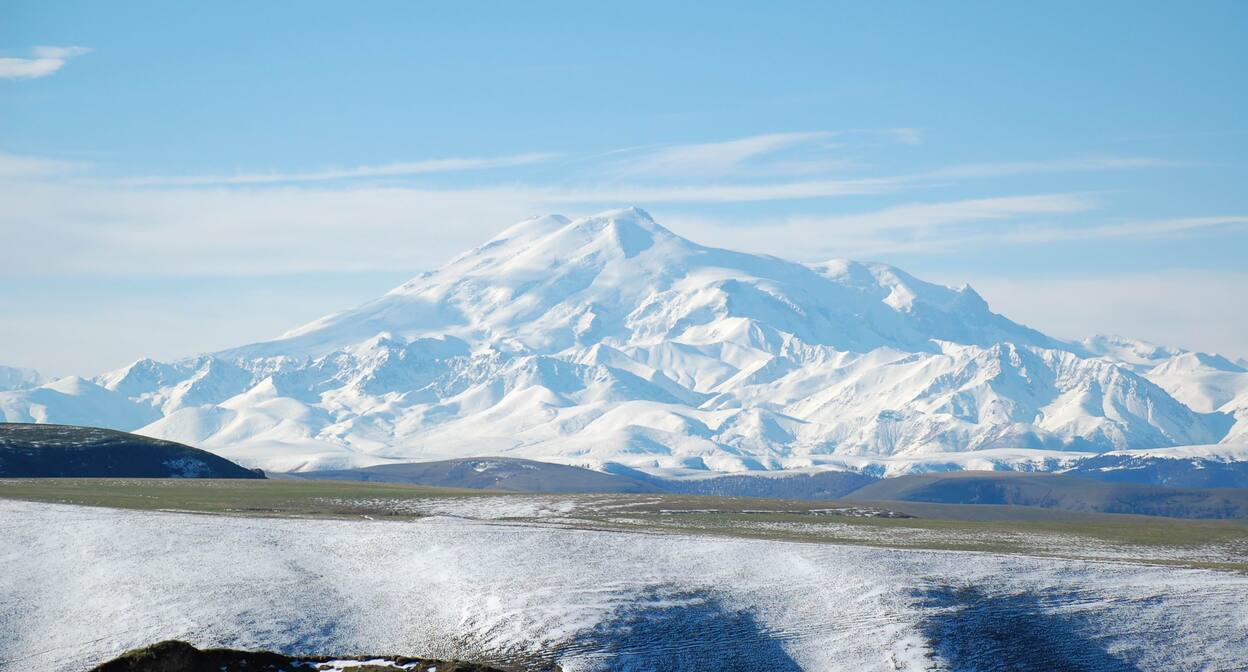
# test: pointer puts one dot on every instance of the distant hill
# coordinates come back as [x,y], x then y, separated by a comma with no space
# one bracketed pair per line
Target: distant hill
[808,486]
[518,475]
[32,450]
[1176,472]
[1058,491]
[490,473]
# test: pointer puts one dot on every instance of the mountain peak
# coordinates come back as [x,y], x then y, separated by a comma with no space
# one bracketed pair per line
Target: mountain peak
[631,230]
[529,229]
[15,378]
[632,215]
[610,337]
[549,283]
[1132,351]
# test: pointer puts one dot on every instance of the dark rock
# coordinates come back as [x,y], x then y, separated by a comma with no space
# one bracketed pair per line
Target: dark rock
[175,656]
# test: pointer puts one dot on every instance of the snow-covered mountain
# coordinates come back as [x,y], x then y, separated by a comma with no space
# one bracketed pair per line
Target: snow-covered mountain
[610,339]
[13,378]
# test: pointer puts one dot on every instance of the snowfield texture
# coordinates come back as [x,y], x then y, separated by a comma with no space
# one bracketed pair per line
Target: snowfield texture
[82,584]
[610,339]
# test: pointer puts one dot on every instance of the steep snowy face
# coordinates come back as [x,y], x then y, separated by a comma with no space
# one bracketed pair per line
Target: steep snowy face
[612,339]
[1207,383]
[550,284]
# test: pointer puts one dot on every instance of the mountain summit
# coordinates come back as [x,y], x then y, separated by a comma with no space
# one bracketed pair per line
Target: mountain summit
[610,339]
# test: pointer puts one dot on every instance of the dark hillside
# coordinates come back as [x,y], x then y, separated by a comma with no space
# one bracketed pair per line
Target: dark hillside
[1192,472]
[817,486]
[490,473]
[1058,491]
[65,451]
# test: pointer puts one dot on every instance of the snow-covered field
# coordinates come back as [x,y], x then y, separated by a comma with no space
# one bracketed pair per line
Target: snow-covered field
[81,584]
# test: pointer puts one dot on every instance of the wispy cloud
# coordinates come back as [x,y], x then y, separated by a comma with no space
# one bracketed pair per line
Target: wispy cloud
[765,167]
[45,61]
[714,159]
[1068,165]
[907,136]
[929,215]
[383,170]
[720,193]
[1019,228]
[91,228]
[345,219]
[913,227]
[775,154]
[18,166]
[1157,228]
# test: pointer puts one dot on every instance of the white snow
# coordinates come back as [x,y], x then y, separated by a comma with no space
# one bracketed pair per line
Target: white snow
[82,584]
[611,339]
[1221,452]
[348,665]
[15,378]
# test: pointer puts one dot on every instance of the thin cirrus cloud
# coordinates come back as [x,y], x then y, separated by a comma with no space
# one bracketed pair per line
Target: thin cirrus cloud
[45,61]
[930,215]
[713,158]
[761,167]
[19,166]
[384,170]
[768,153]
[914,227]
[1073,165]
[293,221]
[934,227]
[1157,228]
[719,193]
[936,240]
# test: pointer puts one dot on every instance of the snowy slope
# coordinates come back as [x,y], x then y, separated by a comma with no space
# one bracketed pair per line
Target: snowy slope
[13,378]
[1206,383]
[611,339]
[84,583]
[74,401]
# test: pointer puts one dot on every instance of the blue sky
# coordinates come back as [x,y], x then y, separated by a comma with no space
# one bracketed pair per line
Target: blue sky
[179,178]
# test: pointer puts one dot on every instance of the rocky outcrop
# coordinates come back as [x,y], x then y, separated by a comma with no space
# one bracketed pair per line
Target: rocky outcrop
[175,656]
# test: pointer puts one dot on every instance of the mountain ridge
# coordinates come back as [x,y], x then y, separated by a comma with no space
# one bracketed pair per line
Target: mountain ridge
[612,340]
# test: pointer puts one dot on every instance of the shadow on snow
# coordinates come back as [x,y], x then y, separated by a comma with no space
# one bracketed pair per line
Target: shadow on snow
[971,630]
[688,632]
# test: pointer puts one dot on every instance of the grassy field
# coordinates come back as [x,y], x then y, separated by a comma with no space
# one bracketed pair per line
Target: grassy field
[999,529]
[287,498]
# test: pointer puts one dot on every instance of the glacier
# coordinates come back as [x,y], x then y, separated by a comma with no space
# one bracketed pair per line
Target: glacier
[610,340]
